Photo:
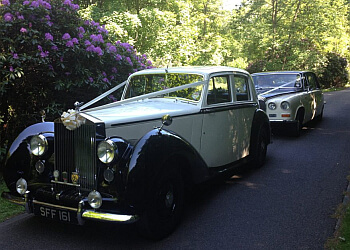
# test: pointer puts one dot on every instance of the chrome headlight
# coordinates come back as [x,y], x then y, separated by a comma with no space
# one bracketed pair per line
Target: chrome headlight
[107,151]
[38,145]
[95,199]
[21,186]
[272,106]
[285,105]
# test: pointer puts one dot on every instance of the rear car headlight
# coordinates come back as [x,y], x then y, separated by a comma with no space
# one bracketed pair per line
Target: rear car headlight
[38,145]
[21,186]
[272,106]
[107,151]
[95,199]
[285,105]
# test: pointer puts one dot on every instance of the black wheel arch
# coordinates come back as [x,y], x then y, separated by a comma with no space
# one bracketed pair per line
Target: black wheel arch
[149,159]
[19,158]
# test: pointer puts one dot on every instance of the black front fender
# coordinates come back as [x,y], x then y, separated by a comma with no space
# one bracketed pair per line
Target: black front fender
[18,160]
[152,155]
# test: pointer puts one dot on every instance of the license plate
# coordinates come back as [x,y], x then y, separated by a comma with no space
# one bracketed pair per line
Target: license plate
[56,214]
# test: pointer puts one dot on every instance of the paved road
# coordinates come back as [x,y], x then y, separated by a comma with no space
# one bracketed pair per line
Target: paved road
[287,204]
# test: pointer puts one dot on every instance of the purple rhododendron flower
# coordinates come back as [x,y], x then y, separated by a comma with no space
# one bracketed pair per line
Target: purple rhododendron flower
[34,4]
[81,30]
[90,48]
[26,3]
[48,18]
[105,79]
[6,2]
[118,57]
[75,41]
[91,79]
[66,36]
[87,43]
[70,43]
[114,70]
[129,61]
[40,48]
[15,56]
[11,68]
[44,53]
[8,17]
[48,36]
[97,38]
[23,30]
[54,47]
[98,50]
[20,17]
[50,23]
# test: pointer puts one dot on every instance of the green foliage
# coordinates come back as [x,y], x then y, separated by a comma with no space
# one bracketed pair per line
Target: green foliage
[50,58]
[7,209]
[335,73]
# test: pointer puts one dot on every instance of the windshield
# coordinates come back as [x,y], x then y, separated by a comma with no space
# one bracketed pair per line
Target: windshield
[272,81]
[149,83]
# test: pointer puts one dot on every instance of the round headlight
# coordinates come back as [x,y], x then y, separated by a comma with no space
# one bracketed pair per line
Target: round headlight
[106,151]
[285,105]
[38,145]
[95,199]
[272,105]
[21,186]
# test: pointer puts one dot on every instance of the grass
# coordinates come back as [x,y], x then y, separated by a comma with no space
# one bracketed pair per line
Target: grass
[7,209]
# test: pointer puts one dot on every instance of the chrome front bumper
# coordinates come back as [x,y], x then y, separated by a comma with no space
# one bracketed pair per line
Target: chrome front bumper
[81,213]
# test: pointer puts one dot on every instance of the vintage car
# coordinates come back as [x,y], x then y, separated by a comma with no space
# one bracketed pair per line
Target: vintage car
[116,161]
[290,98]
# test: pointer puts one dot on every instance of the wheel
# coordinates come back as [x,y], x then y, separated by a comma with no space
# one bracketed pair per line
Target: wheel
[320,116]
[260,149]
[298,125]
[164,209]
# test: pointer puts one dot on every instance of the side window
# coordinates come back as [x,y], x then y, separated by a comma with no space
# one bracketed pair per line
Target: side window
[242,89]
[312,81]
[219,90]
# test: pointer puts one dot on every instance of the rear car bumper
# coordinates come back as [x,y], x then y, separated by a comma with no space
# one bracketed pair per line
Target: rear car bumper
[75,215]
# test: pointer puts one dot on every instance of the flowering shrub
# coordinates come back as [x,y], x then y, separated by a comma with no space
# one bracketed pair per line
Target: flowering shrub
[51,58]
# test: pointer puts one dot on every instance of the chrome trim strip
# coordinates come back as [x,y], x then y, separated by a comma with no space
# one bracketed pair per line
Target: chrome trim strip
[55,206]
[90,214]
[65,183]
[13,199]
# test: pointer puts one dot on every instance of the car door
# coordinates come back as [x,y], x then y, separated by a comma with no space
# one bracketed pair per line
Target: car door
[226,127]
[315,96]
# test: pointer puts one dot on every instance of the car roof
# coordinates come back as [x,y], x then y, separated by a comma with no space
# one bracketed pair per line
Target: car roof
[280,72]
[203,70]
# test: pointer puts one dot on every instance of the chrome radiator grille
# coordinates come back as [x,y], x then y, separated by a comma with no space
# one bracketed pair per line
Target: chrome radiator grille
[75,151]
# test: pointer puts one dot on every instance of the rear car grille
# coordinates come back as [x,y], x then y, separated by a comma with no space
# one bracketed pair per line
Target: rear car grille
[75,151]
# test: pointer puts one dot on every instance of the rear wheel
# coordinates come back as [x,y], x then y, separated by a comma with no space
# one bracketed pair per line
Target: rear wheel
[165,205]
[260,149]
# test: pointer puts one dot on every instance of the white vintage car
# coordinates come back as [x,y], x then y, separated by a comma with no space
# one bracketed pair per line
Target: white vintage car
[290,98]
[116,161]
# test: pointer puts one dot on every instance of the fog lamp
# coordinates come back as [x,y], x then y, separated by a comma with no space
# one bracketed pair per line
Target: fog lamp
[38,145]
[40,167]
[95,199]
[21,186]
[108,174]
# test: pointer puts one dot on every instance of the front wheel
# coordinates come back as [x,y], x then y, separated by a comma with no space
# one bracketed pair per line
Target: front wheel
[165,205]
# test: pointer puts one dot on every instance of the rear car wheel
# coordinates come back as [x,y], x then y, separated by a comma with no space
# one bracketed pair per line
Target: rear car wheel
[298,124]
[165,205]
[260,150]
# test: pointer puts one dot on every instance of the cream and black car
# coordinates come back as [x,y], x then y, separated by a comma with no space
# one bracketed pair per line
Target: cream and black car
[290,98]
[131,160]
